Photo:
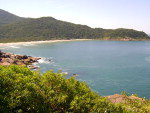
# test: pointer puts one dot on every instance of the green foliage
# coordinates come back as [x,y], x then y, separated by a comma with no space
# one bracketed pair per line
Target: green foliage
[23,90]
[8,18]
[125,93]
[137,105]
[136,95]
[125,33]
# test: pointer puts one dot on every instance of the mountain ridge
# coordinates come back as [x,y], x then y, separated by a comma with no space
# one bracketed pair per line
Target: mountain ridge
[8,18]
[48,28]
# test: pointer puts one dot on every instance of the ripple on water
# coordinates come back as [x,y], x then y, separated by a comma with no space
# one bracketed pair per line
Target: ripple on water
[147,59]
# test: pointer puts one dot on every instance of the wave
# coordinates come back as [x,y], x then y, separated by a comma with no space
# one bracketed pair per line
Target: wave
[16,47]
[28,44]
[44,60]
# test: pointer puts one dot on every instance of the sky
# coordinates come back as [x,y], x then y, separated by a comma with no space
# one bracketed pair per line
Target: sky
[108,14]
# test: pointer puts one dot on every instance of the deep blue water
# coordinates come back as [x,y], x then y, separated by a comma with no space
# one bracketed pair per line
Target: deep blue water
[108,67]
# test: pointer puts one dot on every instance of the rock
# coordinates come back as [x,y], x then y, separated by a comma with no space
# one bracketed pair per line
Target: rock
[20,63]
[7,55]
[18,57]
[116,98]
[5,64]
[34,59]
[32,67]
[24,57]
[132,97]
[1,53]
[75,75]
[8,59]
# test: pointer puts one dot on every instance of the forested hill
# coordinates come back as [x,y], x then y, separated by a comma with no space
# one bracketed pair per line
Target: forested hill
[8,18]
[47,28]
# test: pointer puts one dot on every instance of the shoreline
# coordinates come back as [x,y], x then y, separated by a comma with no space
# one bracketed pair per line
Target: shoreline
[65,40]
[40,42]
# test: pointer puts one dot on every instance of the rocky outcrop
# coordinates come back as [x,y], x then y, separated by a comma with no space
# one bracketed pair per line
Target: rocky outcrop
[9,58]
[117,98]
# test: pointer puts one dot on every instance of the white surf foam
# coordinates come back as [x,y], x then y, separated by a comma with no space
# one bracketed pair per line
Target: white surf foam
[16,47]
[44,60]
[28,44]
[65,73]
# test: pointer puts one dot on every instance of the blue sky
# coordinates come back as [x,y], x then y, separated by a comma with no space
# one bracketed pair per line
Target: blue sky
[110,14]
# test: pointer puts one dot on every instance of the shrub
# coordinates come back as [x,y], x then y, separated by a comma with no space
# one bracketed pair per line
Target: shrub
[23,90]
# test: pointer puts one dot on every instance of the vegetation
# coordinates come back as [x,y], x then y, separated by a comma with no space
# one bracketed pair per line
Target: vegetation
[125,33]
[23,90]
[8,18]
[48,28]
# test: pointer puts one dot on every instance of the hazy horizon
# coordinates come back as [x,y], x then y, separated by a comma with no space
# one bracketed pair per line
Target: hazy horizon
[105,14]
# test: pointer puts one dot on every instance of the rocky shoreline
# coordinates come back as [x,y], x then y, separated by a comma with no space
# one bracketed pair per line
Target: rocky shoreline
[9,59]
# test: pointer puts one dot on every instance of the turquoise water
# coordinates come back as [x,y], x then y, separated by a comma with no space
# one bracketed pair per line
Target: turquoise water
[108,67]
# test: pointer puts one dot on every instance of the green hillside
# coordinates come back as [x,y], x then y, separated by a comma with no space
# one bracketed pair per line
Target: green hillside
[47,28]
[8,18]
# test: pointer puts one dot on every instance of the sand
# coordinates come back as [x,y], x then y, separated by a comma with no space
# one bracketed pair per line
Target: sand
[39,42]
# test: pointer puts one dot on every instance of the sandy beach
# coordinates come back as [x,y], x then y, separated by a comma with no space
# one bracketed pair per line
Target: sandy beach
[39,42]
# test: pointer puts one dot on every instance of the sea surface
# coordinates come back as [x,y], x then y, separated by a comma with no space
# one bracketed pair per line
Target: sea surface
[108,67]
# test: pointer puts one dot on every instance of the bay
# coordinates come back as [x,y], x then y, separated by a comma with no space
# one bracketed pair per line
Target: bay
[108,67]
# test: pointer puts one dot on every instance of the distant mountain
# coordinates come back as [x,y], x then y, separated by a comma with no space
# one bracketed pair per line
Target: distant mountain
[47,28]
[8,18]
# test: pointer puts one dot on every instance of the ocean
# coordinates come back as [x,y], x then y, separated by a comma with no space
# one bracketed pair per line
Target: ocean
[108,67]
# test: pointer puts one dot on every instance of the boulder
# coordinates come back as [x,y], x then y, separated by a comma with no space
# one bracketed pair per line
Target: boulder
[1,52]
[18,57]
[5,63]
[24,57]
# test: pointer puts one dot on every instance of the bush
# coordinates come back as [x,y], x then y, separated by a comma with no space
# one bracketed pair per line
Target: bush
[23,90]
